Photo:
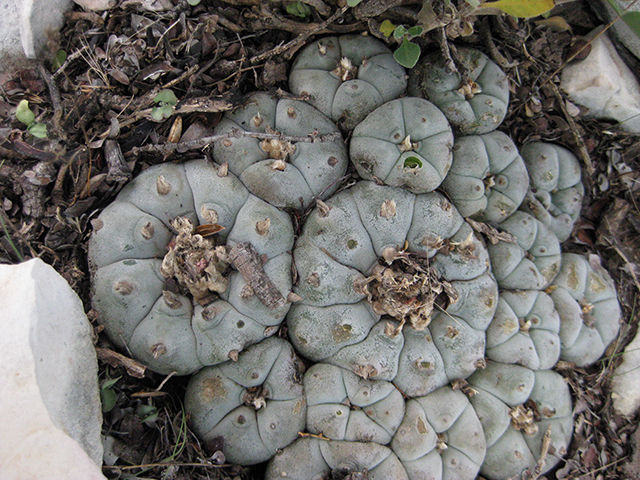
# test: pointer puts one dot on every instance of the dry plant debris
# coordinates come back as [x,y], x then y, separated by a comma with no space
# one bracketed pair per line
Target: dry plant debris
[407,289]
[196,262]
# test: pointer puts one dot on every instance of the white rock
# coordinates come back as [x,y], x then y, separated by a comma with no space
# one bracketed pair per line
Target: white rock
[26,26]
[49,403]
[625,384]
[604,84]
[97,5]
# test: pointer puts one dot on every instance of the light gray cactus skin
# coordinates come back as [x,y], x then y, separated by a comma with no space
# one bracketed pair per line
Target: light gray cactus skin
[488,178]
[344,406]
[585,297]
[334,322]
[314,459]
[472,113]
[556,192]
[312,170]
[440,437]
[510,451]
[125,254]
[216,401]
[406,142]
[532,262]
[525,330]
[378,79]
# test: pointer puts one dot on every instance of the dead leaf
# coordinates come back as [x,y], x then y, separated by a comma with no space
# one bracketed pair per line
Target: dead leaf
[521,8]
[555,23]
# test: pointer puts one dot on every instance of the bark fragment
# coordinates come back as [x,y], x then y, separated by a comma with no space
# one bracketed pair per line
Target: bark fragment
[247,261]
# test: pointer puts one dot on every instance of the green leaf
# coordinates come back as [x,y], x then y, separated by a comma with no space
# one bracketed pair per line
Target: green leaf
[160,113]
[353,3]
[108,398]
[24,113]
[415,31]
[166,96]
[473,3]
[38,130]
[147,413]
[399,32]
[107,394]
[193,3]
[407,54]
[299,9]
[387,28]
[521,8]
[110,382]
[412,162]
[58,59]
[156,114]
[632,19]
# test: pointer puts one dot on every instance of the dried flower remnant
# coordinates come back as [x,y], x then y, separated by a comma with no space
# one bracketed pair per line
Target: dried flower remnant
[469,89]
[256,397]
[407,145]
[345,70]
[523,419]
[408,289]
[277,149]
[195,262]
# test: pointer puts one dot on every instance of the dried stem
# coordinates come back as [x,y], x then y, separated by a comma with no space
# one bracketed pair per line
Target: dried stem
[167,148]
[582,148]
[248,262]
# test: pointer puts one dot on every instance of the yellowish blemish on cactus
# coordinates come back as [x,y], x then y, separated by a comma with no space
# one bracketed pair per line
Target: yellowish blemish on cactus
[596,284]
[421,426]
[212,388]
[342,333]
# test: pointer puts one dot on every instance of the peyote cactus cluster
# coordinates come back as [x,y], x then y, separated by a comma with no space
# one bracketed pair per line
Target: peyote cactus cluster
[420,341]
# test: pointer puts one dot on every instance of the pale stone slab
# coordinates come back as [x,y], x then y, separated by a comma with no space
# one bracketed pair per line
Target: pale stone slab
[625,384]
[49,402]
[604,84]
[26,26]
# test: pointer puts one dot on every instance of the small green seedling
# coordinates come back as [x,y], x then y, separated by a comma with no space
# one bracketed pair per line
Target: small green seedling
[58,60]
[26,116]
[107,394]
[353,3]
[193,3]
[408,52]
[166,101]
[299,9]
[412,162]
[147,413]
